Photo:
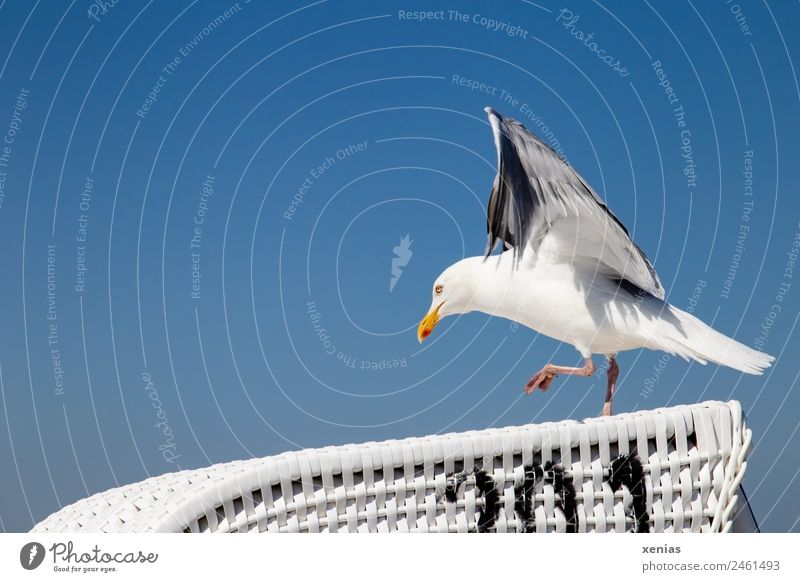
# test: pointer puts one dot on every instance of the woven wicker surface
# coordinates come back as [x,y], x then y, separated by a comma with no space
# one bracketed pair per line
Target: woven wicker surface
[671,469]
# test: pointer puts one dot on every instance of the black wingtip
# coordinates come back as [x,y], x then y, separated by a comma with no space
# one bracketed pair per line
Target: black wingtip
[491,242]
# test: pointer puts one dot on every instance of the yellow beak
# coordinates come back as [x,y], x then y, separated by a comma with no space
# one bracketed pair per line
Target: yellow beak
[428,323]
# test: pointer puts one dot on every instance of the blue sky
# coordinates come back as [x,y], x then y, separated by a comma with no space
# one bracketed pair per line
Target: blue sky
[204,199]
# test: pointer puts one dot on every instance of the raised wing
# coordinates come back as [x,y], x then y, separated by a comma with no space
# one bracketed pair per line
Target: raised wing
[537,194]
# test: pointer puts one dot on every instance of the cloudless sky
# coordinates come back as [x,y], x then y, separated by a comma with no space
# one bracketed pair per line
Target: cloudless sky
[200,202]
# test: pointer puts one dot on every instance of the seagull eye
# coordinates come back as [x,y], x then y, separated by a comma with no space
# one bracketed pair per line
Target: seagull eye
[438,289]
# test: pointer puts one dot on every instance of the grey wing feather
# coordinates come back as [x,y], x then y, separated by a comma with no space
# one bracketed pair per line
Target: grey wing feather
[537,194]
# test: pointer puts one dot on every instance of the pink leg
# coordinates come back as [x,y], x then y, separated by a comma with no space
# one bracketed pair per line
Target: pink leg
[544,377]
[613,373]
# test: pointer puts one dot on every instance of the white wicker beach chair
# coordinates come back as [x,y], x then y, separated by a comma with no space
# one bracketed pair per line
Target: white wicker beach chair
[667,470]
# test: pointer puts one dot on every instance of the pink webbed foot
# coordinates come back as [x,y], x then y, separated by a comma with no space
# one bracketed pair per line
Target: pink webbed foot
[544,377]
[541,380]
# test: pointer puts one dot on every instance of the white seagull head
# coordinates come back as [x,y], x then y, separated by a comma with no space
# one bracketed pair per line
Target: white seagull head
[455,291]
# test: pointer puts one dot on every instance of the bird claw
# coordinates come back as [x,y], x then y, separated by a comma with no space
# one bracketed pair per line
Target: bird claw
[540,380]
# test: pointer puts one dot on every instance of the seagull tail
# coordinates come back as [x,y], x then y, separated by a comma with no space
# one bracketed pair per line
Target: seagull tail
[690,338]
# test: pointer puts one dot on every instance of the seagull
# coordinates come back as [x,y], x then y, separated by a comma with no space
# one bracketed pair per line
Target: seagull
[571,271]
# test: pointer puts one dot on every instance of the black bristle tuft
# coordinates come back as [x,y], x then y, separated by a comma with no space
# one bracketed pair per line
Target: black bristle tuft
[637,489]
[627,471]
[523,497]
[488,516]
[620,472]
[565,491]
[454,482]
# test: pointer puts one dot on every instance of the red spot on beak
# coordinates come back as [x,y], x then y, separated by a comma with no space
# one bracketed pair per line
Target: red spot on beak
[428,323]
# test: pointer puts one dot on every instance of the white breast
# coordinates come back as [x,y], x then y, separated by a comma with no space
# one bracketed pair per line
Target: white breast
[568,302]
